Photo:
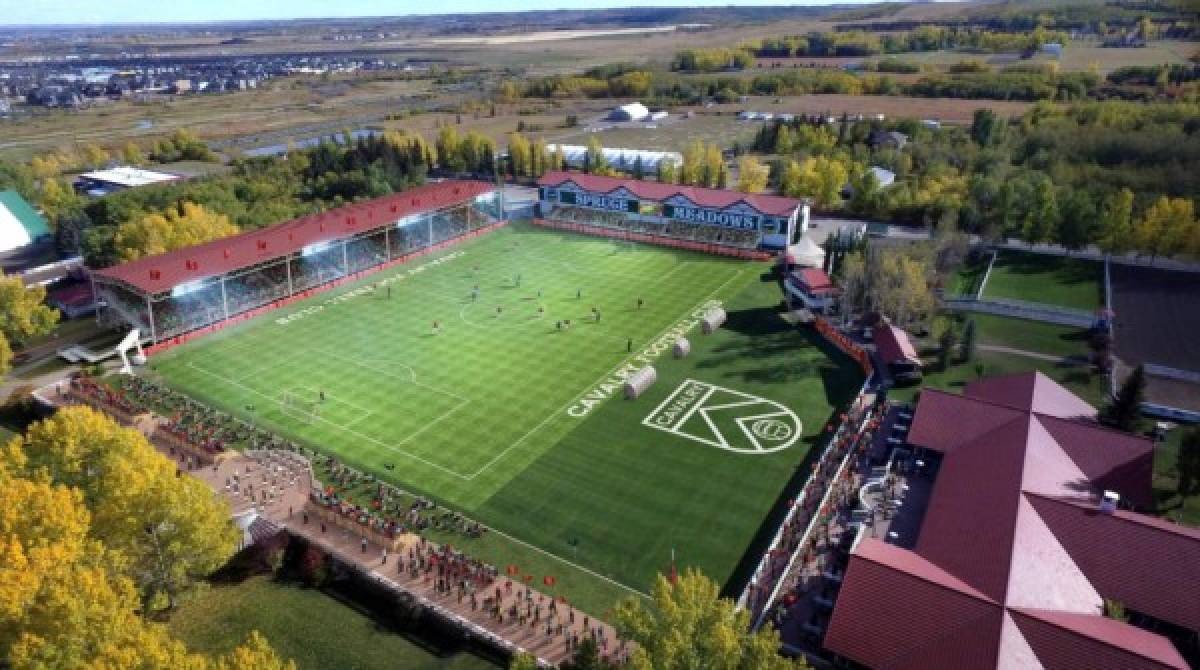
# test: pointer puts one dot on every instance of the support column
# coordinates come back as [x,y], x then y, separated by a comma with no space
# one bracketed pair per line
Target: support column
[150,313]
[345,259]
[224,299]
[387,242]
[430,238]
[288,263]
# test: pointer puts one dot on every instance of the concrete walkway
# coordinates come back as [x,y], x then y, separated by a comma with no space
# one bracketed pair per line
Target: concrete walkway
[1032,354]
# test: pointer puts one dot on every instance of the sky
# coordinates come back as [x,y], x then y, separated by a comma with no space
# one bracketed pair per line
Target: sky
[28,12]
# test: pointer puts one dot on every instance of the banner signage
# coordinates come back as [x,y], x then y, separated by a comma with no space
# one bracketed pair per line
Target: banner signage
[712,217]
[606,202]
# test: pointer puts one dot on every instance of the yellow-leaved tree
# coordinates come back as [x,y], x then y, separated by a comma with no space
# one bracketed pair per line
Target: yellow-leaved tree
[752,175]
[255,654]
[171,530]
[23,315]
[186,225]
[690,626]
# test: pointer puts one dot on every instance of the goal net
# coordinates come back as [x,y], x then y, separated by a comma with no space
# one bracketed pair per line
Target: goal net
[299,406]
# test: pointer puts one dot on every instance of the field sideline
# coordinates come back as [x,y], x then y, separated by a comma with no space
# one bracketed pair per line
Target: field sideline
[501,411]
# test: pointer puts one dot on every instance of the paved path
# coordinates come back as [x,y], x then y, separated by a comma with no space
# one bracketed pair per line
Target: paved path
[1031,354]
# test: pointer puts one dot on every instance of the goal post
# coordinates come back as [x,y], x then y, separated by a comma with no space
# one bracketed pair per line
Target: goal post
[296,406]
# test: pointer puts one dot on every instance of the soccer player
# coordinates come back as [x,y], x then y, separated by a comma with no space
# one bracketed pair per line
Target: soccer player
[475,293]
[322,393]
[639,302]
[629,345]
[499,310]
[437,327]
[578,293]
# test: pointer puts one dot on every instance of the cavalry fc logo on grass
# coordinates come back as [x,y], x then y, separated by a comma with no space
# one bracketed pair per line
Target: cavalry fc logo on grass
[726,419]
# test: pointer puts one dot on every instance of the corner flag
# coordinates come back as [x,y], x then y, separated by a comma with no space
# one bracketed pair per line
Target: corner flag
[673,576]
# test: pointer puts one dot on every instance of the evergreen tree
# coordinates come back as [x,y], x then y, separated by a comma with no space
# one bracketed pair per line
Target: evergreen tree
[966,351]
[1187,463]
[1125,409]
[946,347]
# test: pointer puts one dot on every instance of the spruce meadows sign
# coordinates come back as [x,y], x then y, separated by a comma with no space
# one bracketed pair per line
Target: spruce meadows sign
[712,217]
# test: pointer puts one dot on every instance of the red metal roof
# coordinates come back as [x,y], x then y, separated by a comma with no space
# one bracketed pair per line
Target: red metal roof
[155,274]
[1148,564]
[1013,521]
[893,345]
[772,205]
[1032,392]
[1073,641]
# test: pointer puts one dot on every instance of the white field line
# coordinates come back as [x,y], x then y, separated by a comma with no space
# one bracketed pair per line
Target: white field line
[606,375]
[368,438]
[577,566]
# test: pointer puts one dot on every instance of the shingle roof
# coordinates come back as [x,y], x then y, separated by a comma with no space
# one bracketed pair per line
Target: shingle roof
[893,345]
[163,272]
[772,205]
[1012,521]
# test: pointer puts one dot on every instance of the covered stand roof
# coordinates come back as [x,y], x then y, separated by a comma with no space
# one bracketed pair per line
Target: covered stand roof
[19,223]
[155,274]
[715,198]
[1014,558]
[812,281]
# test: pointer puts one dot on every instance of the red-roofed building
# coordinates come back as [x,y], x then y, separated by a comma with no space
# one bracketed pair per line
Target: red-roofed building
[897,352]
[1016,557]
[181,291]
[812,288]
[688,213]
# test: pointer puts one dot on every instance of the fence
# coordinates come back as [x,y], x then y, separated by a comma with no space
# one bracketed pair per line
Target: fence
[768,577]
[657,240]
[1034,311]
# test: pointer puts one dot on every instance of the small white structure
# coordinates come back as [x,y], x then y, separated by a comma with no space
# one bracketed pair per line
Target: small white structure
[574,156]
[681,348]
[659,115]
[712,321]
[805,253]
[639,381]
[101,182]
[131,341]
[634,111]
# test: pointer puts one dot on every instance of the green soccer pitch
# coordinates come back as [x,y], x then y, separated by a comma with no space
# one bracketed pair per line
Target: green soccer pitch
[499,413]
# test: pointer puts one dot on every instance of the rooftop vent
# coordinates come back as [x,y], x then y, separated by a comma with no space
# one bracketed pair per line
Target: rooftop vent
[1108,503]
[262,245]
[156,274]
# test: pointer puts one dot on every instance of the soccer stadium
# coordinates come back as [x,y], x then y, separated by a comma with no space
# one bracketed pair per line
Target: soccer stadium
[601,402]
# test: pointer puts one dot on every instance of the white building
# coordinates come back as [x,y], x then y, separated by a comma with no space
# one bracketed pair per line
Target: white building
[621,159]
[634,111]
[102,182]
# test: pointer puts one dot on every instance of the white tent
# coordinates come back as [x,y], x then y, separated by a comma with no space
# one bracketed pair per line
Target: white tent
[621,159]
[806,253]
[634,111]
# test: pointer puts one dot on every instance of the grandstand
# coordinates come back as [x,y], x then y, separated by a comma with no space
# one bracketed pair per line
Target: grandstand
[717,220]
[170,295]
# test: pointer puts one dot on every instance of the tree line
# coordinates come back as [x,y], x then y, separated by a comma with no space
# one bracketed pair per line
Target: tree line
[100,535]
[850,43]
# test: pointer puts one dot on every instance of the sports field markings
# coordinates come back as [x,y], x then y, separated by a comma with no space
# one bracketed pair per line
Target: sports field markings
[315,394]
[606,375]
[368,438]
[766,426]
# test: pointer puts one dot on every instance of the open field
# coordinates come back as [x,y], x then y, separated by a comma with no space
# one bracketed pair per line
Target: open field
[1166,476]
[1049,279]
[305,625]
[672,134]
[505,417]
[1081,380]
[1036,336]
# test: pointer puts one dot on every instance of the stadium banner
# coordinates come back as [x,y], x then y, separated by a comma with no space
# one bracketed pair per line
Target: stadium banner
[712,217]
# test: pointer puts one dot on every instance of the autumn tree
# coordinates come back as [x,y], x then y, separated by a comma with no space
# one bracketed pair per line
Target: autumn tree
[185,225]
[752,175]
[254,654]
[132,154]
[668,171]
[1166,227]
[688,625]
[596,161]
[449,150]
[94,156]
[171,530]
[23,315]
[519,155]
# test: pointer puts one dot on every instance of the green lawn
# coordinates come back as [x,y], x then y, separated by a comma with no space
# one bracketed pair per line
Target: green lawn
[520,424]
[305,625]
[1037,336]
[966,280]
[1186,510]
[1054,280]
[1080,380]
